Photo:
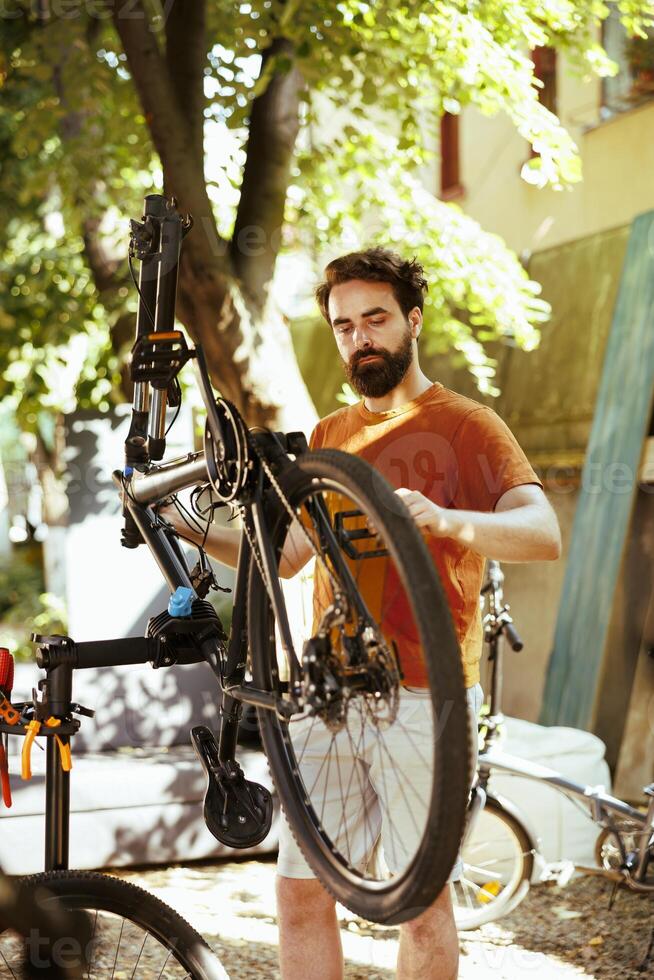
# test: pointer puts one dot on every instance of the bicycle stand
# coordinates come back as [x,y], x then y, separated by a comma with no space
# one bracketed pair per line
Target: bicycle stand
[51,714]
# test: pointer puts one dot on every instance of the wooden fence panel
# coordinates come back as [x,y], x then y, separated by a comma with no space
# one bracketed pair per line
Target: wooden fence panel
[609,484]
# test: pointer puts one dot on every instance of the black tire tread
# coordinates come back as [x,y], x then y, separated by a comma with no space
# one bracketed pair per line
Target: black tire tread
[137,905]
[421,572]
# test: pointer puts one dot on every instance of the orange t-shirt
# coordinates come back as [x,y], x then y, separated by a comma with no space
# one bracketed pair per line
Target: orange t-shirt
[459,454]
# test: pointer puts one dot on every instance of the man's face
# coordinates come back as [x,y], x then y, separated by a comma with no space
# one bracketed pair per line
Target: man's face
[374,338]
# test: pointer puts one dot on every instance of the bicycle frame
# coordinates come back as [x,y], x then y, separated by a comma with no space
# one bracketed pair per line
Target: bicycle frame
[156,241]
[601,805]
[158,355]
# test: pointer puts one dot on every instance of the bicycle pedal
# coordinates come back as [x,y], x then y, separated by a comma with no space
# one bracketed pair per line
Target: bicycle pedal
[237,811]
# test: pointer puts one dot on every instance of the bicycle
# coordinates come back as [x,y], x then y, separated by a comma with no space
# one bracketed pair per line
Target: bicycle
[295,506]
[492,886]
[70,925]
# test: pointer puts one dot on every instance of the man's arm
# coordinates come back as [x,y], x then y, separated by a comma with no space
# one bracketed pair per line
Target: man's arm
[523,526]
[223,543]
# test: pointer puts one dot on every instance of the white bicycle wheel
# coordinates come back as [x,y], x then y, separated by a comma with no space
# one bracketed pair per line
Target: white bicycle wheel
[498,860]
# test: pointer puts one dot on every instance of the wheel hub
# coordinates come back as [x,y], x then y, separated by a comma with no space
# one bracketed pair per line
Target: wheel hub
[368,672]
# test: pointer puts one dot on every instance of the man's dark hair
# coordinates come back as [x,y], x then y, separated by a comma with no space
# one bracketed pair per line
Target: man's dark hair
[376,265]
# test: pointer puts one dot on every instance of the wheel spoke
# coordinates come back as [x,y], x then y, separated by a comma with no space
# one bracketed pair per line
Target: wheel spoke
[7,965]
[365,761]
[120,936]
[138,958]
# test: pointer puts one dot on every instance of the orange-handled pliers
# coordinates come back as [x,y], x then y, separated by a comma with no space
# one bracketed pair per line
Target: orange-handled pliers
[31,731]
[64,747]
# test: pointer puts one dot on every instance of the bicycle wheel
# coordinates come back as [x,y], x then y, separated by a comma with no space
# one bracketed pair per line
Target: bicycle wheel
[373,778]
[615,847]
[498,861]
[133,934]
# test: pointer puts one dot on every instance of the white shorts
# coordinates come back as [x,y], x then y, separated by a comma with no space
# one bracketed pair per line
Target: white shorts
[386,813]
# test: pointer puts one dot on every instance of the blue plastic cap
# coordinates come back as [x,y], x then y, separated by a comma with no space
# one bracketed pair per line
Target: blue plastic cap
[181,601]
[128,471]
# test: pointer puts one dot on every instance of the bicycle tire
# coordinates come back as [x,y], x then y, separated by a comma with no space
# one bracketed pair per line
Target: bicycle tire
[153,937]
[490,886]
[407,893]
[607,848]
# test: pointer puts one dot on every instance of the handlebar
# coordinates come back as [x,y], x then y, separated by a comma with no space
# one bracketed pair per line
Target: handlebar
[498,617]
[513,637]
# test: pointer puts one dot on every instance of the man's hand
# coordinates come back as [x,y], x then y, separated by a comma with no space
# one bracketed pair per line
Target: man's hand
[428,515]
[523,526]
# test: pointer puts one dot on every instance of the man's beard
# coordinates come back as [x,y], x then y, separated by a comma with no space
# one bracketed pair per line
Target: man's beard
[378,378]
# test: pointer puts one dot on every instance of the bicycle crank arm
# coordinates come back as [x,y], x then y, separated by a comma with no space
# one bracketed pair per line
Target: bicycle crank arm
[620,875]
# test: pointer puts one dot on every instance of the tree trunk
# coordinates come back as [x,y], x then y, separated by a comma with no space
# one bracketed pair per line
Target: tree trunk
[223,291]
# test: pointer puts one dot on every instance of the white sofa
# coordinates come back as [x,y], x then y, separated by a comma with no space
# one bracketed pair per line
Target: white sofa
[137,788]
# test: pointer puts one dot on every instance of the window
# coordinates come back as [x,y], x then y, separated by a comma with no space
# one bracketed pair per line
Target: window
[634,82]
[544,60]
[451,185]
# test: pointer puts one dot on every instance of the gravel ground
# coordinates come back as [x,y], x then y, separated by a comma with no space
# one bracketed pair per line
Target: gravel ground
[557,933]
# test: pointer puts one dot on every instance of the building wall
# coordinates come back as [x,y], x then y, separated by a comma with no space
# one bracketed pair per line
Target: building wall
[617,157]
[573,242]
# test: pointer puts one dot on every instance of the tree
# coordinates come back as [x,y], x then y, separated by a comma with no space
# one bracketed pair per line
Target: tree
[328,109]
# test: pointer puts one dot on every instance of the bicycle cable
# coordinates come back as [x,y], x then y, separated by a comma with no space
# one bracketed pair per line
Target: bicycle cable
[177,409]
[294,517]
[138,290]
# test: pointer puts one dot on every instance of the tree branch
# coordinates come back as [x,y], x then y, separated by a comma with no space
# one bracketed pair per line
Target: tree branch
[101,264]
[166,120]
[186,56]
[274,124]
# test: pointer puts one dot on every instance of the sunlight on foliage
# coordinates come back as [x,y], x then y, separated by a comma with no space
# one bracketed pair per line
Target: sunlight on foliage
[77,158]
[478,291]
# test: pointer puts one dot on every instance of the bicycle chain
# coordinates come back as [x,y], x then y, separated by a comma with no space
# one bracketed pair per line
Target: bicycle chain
[253,544]
[289,509]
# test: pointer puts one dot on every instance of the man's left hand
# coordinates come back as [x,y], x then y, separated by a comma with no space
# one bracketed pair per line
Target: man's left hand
[427,515]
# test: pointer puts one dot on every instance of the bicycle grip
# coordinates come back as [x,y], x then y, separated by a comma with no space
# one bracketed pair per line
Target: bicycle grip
[130,536]
[513,637]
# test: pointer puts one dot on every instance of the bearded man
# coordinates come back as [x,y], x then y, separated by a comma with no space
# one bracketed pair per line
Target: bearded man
[472,491]
[470,488]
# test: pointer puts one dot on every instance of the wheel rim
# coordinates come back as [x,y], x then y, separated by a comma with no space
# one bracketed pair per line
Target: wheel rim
[323,757]
[493,859]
